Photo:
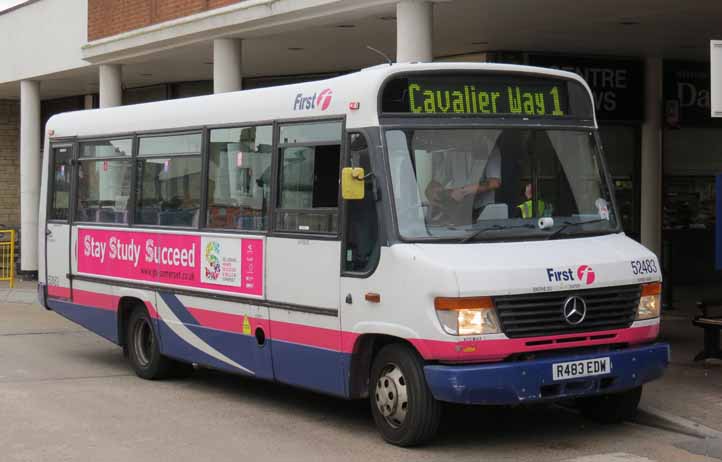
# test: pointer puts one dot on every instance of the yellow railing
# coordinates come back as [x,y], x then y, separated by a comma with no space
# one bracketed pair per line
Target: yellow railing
[7,256]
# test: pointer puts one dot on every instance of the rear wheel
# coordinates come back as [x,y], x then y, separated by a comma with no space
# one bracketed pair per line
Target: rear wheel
[612,408]
[143,350]
[403,407]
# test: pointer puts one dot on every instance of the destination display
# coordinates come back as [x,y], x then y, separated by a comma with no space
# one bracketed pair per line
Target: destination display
[505,95]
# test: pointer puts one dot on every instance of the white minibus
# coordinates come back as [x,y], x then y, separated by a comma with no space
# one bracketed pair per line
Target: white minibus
[411,234]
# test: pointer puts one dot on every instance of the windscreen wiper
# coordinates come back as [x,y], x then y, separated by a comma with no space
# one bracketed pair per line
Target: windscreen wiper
[567,224]
[481,231]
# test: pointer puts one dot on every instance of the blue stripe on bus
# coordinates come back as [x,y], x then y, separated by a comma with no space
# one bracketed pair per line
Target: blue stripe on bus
[317,369]
[102,322]
[309,367]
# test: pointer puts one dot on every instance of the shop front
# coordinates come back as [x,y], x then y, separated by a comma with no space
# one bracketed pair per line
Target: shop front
[692,159]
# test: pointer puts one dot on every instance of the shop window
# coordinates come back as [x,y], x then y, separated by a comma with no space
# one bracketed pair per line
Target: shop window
[309,178]
[239,174]
[104,175]
[168,185]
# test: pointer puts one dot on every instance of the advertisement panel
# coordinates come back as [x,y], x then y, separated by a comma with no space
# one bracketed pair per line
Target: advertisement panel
[220,263]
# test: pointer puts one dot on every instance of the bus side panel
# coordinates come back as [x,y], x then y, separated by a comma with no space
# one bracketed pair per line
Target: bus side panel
[215,333]
[307,352]
[94,306]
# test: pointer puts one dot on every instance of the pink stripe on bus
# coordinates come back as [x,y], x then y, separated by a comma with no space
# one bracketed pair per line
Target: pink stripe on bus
[57,291]
[497,350]
[96,300]
[319,337]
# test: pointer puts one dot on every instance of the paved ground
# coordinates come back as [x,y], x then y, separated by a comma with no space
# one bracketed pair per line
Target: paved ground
[67,395]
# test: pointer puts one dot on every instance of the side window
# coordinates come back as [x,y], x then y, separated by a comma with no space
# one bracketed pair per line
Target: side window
[104,173]
[239,177]
[168,184]
[308,186]
[362,228]
[60,184]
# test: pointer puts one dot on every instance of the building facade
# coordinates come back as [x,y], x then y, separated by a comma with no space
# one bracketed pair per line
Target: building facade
[646,62]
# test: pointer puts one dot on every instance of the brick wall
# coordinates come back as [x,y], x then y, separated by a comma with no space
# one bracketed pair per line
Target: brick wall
[112,17]
[9,163]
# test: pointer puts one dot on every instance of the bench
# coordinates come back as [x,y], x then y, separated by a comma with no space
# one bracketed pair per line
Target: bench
[712,326]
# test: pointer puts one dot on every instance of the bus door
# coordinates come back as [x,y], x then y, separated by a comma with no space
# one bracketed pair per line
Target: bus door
[57,228]
[303,254]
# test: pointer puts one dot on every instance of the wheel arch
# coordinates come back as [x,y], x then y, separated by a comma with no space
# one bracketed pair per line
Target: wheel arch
[126,305]
[365,349]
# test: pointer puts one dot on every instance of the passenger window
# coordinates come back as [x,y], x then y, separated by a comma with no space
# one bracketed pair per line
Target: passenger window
[362,234]
[239,177]
[310,160]
[168,185]
[104,174]
[60,194]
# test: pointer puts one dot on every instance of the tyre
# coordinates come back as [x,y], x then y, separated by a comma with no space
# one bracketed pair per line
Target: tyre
[405,411]
[143,350]
[612,408]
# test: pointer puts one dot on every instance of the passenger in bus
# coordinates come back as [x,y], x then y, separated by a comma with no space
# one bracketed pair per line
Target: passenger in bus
[463,183]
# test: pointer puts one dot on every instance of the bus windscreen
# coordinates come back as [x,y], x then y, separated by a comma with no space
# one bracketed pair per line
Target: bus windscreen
[486,95]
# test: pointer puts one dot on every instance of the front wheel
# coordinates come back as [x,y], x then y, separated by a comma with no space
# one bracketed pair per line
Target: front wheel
[403,407]
[612,408]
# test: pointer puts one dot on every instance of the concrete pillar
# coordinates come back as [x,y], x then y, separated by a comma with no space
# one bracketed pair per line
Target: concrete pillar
[88,102]
[227,69]
[414,31]
[111,85]
[30,156]
[651,200]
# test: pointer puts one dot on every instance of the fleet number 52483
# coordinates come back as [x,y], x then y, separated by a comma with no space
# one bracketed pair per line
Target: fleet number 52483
[648,266]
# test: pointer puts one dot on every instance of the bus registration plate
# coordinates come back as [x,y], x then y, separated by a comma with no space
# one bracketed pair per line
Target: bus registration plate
[585,368]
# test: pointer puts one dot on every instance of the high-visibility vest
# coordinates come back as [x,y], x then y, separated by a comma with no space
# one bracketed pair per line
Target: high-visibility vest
[526,208]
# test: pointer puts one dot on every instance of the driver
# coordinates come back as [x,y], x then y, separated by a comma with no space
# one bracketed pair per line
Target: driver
[463,183]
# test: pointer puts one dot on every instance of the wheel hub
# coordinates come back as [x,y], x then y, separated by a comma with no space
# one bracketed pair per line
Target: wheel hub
[143,340]
[391,395]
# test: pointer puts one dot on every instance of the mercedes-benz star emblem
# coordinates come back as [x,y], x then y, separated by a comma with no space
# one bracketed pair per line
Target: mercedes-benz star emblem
[574,310]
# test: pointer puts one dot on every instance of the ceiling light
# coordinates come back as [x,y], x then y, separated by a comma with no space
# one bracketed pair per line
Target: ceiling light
[387,18]
[346,26]
[629,22]
[480,43]
[295,48]
[145,74]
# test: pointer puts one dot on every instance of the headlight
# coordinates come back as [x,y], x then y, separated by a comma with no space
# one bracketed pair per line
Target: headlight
[467,316]
[650,302]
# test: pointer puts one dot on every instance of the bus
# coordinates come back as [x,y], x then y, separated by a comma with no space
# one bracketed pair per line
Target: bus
[411,234]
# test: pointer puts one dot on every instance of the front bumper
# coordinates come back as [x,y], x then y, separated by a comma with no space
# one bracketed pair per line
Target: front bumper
[531,381]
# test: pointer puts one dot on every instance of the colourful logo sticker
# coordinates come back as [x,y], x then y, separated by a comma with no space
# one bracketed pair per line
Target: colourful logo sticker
[586,274]
[212,260]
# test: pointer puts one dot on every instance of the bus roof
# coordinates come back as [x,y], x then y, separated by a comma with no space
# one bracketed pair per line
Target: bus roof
[316,99]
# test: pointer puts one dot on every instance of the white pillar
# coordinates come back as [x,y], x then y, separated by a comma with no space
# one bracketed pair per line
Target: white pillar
[414,31]
[111,85]
[227,70]
[651,200]
[88,102]
[30,156]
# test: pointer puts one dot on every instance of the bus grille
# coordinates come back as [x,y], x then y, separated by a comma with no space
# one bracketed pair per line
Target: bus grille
[536,315]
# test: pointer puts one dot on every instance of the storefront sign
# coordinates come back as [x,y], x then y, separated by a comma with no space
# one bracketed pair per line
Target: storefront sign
[207,262]
[687,94]
[617,84]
